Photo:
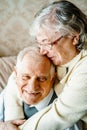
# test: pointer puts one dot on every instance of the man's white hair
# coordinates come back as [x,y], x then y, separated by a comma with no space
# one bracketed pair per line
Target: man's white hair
[35,53]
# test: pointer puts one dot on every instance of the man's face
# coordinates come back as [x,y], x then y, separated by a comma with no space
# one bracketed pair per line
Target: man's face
[33,79]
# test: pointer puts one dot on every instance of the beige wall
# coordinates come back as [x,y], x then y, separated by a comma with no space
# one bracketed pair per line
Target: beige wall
[16,17]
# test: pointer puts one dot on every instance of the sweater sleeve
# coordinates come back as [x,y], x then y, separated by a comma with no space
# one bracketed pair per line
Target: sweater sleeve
[12,101]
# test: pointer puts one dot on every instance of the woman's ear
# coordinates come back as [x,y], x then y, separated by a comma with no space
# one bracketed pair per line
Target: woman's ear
[75,39]
[15,70]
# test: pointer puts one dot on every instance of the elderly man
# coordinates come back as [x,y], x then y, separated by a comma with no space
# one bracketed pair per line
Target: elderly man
[29,86]
[34,75]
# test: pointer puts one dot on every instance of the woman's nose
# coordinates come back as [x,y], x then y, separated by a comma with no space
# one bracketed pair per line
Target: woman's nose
[43,51]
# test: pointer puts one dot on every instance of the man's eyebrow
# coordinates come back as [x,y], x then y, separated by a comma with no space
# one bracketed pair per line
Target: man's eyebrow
[47,75]
[24,74]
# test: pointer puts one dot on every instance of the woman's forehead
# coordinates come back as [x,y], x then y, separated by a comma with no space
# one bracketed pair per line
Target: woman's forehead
[47,35]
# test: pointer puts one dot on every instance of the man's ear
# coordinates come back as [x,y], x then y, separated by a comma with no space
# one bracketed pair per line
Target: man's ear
[54,78]
[75,39]
[15,70]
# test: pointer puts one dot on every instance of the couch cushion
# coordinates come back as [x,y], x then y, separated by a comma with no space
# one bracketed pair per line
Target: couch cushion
[6,67]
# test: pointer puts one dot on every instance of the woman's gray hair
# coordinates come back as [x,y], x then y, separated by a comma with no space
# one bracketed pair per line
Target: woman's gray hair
[33,51]
[64,17]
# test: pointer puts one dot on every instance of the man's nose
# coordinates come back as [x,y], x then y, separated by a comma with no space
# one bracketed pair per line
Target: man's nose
[33,84]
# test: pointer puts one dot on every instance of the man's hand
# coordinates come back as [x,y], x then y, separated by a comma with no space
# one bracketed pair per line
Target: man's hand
[11,125]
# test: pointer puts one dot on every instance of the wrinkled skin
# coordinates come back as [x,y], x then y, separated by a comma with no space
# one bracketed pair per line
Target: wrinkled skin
[11,125]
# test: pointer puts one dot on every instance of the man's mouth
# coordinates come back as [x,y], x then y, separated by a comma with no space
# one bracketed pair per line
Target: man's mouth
[32,93]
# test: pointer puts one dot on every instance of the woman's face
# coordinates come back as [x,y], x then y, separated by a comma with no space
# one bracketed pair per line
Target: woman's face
[60,49]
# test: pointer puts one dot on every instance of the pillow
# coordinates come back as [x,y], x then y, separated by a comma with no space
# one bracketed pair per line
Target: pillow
[6,67]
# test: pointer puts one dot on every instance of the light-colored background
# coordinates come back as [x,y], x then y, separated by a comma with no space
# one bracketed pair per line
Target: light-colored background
[16,17]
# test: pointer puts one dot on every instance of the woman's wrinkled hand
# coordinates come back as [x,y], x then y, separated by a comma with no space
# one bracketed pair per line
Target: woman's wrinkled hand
[11,125]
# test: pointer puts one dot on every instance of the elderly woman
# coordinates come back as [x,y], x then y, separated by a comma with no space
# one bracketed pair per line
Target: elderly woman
[61,32]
